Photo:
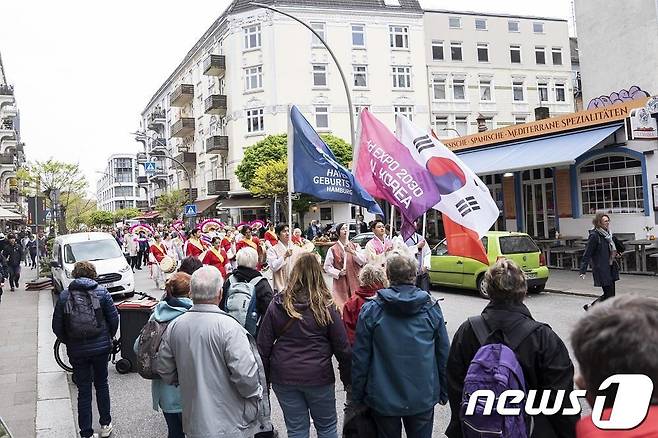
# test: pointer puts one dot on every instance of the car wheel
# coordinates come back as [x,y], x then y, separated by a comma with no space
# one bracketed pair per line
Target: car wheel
[537,289]
[481,288]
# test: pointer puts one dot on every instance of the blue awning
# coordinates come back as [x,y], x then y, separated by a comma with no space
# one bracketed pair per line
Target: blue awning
[555,151]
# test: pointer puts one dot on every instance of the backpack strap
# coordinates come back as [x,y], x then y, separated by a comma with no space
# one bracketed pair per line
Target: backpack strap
[479,326]
[521,331]
[254,281]
[231,280]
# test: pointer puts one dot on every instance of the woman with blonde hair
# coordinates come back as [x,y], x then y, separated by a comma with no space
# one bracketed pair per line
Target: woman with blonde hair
[298,336]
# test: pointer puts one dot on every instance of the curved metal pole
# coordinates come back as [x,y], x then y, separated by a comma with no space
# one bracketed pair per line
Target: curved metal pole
[340,70]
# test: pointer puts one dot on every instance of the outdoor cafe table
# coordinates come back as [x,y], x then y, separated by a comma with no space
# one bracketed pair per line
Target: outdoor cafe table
[640,252]
[546,245]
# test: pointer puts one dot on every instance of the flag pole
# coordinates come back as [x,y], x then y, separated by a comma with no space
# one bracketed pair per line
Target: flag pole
[424,225]
[390,234]
[290,170]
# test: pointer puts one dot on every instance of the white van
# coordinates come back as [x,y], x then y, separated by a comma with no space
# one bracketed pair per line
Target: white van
[102,250]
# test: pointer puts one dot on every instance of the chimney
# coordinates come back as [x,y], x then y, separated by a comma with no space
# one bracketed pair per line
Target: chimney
[542,112]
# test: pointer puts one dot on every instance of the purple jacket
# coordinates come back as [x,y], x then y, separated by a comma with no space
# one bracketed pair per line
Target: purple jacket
[302,355]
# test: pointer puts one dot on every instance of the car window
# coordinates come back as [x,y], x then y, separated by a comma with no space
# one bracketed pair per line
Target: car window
[517,245]
[441,248]
[92,250]
[485,243]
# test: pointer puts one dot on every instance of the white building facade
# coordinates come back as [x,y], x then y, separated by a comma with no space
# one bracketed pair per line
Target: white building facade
[117,187]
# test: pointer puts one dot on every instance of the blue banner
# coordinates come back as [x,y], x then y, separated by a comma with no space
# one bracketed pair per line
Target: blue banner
[315,170]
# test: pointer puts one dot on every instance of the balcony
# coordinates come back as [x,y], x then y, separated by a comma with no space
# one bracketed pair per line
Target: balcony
[160,174]
[217,144]
[156,119]
[216,104]
[217,187]
[8,112]
[195,193]
[7,124]
[184,127]
[141,180]
[7,159]
[214,65]
[187,159]
[6,90]
[182,95]
[142,205]
[158,144]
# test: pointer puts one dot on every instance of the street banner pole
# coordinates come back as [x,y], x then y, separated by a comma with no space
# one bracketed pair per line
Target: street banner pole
[390,236]
[424,225]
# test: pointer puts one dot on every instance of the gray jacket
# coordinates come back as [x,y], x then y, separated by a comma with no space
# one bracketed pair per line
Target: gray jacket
[220,373]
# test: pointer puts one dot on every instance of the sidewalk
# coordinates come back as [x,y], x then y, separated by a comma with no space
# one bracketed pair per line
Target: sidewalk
[569,282]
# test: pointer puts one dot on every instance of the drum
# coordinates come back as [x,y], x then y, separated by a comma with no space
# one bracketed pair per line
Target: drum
[167,264]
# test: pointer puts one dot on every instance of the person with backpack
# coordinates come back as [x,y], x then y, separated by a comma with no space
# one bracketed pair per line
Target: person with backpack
[300,333]
[165,397]
[529,353]
[86,320]
[400,353]
[602,252]
[248,281]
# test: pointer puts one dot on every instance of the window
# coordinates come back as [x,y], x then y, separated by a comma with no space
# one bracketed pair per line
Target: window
[319,75]
[519,120]
[485,90]
[513,26]
[515,54]
[489,123]
[557,55]
[459,89]
[461,125]
[392,3]
[399,37]
[540,55]
[612,184]
[517,244]
[437,50]
[542,90]
[455,22]
[252,38]
[253,78]
[321,29]
[480,24]
[358,35]
[360,76]
[560,93]
[322,117]
[404,110]
[456,51]
[439,87]
[538,27]
[441,125]
[325,214]
[517,91]
[359,108]
[401,77]
[255,120]
[483,52]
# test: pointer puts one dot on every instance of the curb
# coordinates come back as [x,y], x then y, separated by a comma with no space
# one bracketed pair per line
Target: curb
[54,408]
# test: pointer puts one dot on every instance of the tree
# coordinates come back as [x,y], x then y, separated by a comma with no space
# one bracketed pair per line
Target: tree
[51,176]
[101,218]
[126,213]
[79,211]
[170,205]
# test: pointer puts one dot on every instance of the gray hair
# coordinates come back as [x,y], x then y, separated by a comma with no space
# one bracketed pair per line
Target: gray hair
[401,269]
[505,282]
[372,275]
[247,257]
[206,284]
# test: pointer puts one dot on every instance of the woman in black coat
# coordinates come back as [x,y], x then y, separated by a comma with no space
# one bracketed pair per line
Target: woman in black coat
[601,254]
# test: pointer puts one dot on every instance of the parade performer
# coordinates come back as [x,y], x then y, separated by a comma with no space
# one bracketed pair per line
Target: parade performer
[297,238]
[378,248]
[281,258]
[217,257]
[270,236]
[343,263]
[251,241]
[194,247]
[158,251]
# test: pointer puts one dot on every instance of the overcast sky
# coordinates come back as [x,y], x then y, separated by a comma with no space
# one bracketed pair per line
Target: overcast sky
[84,70]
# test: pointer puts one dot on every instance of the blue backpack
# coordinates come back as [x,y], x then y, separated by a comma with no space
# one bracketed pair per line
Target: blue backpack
[241,302]
[495,367]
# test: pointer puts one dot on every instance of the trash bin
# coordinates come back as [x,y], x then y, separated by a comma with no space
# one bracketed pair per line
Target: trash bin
[134,314]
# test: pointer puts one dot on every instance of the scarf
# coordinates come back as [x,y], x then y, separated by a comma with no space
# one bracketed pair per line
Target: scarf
[297,240]
[381,246]
[611,243]
[217,253]
[250,242]
[178,302]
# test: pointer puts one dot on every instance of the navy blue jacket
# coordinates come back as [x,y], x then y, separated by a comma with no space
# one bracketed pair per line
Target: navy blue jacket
[102,344]
[597,255]
[400,353]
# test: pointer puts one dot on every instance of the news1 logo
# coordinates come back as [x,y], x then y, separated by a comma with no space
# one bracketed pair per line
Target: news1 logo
[628,411]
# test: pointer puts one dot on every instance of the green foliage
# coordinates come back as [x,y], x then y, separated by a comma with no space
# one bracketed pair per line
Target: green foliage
[79,211]
[170,205]
[341,149]
[126,213]
[101,218]
[270,179]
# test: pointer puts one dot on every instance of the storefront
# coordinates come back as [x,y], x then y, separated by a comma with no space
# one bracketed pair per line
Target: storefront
[554,174]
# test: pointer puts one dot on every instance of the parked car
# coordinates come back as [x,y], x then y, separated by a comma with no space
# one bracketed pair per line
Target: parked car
[466,273]
[102,250]
[363,238]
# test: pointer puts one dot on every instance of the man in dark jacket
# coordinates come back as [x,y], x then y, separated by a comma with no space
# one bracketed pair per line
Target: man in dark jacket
[13,253]
[542,354]
[400,354]
[89,356]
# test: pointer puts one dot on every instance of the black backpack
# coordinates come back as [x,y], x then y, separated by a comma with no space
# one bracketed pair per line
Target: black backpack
[83,315]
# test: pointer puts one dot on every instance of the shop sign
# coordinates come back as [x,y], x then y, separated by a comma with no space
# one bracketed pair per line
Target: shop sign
[554,125]
[641,126]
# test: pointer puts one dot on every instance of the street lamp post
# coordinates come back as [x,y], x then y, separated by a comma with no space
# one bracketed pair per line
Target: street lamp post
[333,56]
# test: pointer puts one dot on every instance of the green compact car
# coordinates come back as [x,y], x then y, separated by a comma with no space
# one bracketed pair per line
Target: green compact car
[466,273]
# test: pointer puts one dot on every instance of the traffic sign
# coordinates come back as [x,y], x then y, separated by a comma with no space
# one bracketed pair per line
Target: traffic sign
[49,214]
[190,210]
[149,167]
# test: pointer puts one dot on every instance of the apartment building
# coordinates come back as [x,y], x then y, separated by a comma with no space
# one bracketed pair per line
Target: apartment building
[12,150]
[234,87]
[117,187]
[495,67]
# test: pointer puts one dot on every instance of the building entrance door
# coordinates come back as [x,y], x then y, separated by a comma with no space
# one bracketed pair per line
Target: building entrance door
[539,203]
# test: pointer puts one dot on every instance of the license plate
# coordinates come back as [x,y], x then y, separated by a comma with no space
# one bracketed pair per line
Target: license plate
[530,274]
[109,285]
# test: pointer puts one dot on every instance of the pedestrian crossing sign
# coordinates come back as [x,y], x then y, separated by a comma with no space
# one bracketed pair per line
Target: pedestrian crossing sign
[149,167]
[190,210]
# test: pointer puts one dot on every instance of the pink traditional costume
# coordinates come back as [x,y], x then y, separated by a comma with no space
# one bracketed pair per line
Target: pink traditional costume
[338,259]
[376,250]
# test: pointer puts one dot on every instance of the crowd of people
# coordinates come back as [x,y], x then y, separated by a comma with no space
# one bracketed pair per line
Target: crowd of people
[388,335]
[17,249]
